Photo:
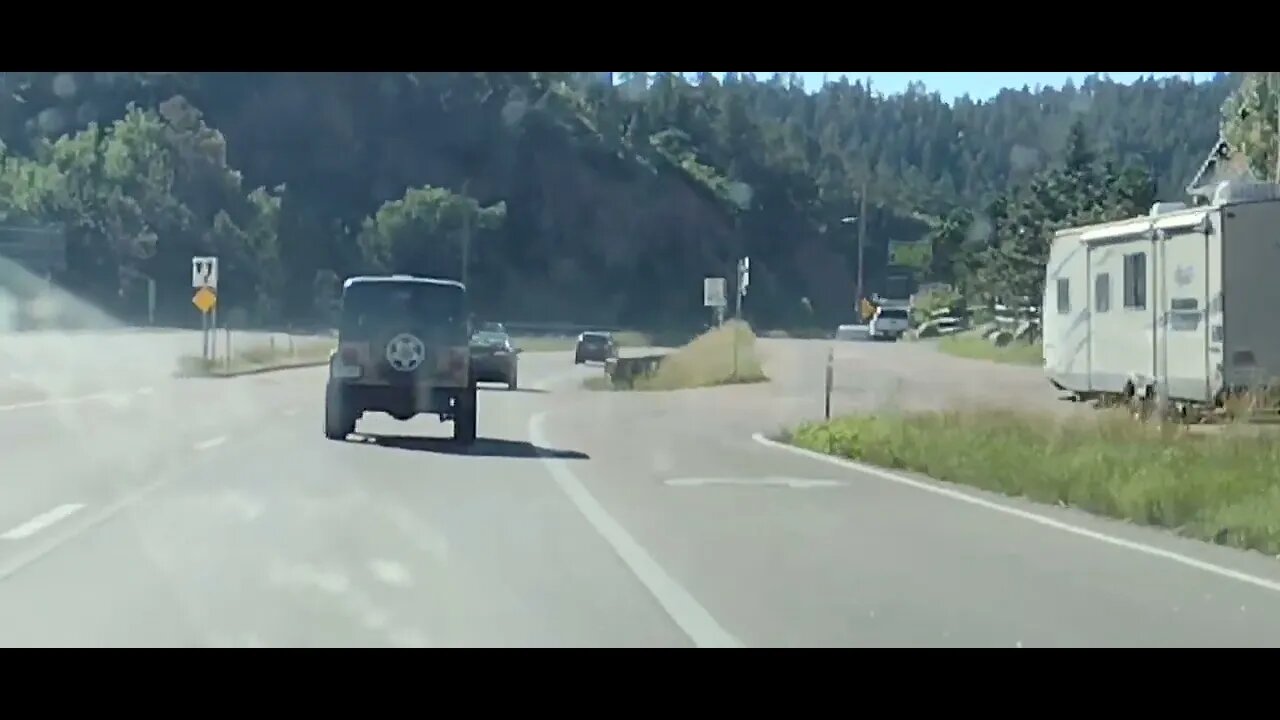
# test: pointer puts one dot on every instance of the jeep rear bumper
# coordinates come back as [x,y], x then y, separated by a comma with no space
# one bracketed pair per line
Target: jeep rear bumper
[399,400]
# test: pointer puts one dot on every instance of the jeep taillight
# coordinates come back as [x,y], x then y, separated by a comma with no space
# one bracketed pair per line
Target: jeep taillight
[346,364]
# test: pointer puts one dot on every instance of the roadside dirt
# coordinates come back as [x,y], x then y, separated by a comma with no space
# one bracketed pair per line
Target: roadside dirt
[869,377]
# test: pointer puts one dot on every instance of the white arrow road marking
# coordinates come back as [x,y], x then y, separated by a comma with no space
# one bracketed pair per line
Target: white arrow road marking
[795,483]
[964,497]
[118,398]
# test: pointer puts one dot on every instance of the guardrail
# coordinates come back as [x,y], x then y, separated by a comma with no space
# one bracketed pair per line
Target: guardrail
[624,371]
[1013,322]
[1007,322]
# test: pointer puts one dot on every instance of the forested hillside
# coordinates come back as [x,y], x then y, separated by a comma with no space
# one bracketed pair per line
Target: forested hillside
[571,200]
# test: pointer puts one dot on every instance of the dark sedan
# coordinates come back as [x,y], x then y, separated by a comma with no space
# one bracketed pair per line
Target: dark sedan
[597,346]
[494,359]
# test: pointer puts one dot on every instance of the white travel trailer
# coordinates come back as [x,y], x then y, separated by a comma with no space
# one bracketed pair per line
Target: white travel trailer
[1185,301]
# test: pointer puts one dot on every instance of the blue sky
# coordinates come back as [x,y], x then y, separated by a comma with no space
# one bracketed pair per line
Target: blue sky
[979,85]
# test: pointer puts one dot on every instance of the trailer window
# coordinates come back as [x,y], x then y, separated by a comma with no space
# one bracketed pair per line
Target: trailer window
[1064,296]
[1135,281]
[1102,292]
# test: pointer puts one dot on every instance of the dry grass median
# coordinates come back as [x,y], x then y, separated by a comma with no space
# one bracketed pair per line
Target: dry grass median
[708,360]
[260,357]
[1222,486]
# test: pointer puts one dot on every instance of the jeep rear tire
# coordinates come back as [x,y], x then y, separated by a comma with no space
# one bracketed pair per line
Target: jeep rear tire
[339,421]
[514,381]
[464,419]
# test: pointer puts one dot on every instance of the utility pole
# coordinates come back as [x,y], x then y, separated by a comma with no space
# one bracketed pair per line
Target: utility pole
[466,233]
[744,279]
[862,233]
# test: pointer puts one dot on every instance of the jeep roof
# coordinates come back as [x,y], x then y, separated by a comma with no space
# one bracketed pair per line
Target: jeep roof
[373,304]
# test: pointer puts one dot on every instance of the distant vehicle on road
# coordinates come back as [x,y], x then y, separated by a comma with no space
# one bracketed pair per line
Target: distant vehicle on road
[403,349]
[494,359]
[889,323]
[595,346]
[852,332]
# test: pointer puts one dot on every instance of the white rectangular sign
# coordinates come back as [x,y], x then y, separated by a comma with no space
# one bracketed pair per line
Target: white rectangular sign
[204,272]
[713,294]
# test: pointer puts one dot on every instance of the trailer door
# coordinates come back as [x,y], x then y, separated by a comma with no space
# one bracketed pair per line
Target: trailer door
[1184,302]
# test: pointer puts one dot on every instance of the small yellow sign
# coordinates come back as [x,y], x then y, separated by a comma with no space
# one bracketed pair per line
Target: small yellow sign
[205,299]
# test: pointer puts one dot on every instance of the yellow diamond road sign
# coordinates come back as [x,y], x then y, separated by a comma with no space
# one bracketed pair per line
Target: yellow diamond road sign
[205,299]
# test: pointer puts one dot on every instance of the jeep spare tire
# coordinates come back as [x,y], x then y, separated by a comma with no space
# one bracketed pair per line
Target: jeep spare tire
[405,352]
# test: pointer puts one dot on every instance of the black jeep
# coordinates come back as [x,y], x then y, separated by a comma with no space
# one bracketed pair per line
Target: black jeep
[402,350]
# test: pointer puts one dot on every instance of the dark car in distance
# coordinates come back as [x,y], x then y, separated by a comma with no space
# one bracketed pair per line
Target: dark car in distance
[595,346]
[494,359]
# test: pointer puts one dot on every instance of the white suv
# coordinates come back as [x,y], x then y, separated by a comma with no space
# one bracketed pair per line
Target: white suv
[889,323]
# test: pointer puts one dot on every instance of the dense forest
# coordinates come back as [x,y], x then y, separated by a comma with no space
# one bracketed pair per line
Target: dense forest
[570,198]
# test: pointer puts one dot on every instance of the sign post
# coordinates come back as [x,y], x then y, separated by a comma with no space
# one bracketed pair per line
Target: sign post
[866,310]
[204,278]
[713,296]
[744,279]
[830,381]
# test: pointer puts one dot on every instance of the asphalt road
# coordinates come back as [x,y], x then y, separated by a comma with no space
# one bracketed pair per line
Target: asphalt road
[214,513]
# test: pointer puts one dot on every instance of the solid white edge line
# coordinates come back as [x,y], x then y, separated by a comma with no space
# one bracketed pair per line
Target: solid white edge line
[1023,514]
[680,606]
[41,521]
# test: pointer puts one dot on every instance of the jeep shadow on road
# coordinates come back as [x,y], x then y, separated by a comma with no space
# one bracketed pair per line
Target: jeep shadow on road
[483,447]
[505,389]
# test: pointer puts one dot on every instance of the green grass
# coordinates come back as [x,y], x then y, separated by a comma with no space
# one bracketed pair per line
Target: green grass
[968,345]
[551,343]
[1223,487]
[706,361]
[259,358]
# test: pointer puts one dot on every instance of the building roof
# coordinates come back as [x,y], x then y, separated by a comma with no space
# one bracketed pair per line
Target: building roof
[1220,162]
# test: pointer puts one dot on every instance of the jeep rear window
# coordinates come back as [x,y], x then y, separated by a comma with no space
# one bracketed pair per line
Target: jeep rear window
[371,306]
[893,314]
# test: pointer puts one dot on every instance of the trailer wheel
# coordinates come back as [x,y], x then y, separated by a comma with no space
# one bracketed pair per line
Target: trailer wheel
[1140,405]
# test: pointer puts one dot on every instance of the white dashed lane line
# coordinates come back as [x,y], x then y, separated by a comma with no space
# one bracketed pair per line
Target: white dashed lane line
[115,397]
[210,443]
[42,521]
